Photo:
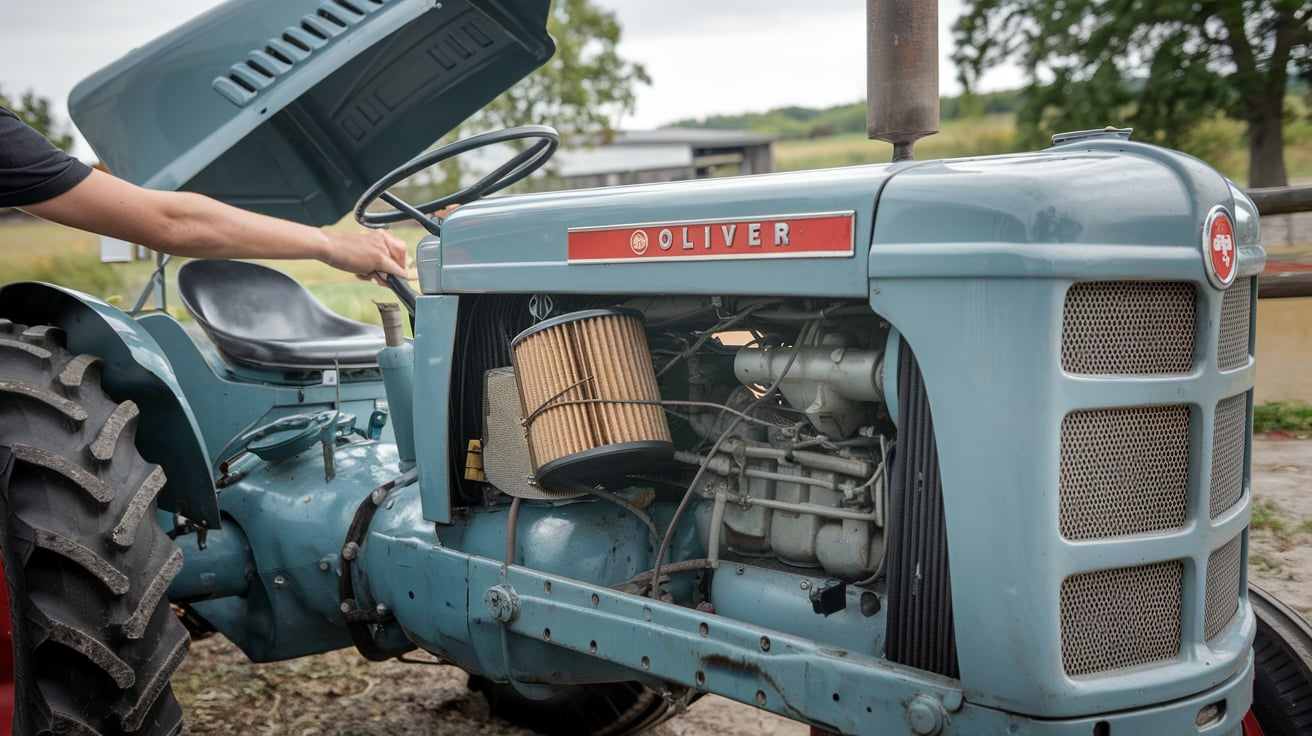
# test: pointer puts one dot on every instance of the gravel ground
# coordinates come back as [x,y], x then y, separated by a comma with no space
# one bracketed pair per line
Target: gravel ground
[342,694]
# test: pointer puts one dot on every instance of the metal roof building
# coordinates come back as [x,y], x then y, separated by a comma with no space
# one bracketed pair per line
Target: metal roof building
[666,154]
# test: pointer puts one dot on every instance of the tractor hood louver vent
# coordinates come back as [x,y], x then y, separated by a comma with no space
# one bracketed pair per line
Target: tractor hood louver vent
[280,54]
[325,96]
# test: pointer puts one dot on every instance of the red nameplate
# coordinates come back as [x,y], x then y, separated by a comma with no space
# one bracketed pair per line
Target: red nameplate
[827,235]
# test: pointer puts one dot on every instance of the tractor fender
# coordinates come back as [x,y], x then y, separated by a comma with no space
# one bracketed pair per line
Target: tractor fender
[135,368]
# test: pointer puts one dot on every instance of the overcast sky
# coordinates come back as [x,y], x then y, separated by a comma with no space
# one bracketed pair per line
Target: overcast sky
[704,56]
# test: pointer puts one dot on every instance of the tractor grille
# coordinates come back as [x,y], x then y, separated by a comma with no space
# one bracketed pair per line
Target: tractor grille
[1236,313]
[1129,328]
[1228,453]
[1112,619]
[1124,471]
[1223,569]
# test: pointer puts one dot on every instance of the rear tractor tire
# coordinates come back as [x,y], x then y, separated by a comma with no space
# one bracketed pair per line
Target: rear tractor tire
[87,564]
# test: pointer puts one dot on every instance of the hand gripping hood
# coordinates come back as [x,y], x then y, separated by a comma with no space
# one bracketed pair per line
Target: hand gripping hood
[294,107]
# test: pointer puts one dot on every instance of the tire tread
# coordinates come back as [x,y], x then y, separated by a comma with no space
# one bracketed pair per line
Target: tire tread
[1282,655]
[95,641]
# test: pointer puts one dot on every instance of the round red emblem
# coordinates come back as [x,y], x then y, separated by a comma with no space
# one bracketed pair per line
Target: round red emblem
[638,242]
[1219,253]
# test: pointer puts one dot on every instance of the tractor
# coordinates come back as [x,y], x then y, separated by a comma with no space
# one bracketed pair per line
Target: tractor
[926,447]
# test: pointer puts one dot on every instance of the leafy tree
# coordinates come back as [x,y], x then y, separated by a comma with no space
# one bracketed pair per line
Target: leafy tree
[36,112]
[585,86]
[1163,66]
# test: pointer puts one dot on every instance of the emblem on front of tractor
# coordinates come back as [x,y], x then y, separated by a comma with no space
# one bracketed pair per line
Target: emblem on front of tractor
[1219,247]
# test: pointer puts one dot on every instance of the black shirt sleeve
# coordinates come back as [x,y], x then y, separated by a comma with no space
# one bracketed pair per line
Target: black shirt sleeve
[32,169]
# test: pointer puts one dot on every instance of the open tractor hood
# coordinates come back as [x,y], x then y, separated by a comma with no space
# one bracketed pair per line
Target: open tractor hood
[292,108]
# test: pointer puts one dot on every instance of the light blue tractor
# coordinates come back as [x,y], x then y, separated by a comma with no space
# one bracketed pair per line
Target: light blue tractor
[932,447]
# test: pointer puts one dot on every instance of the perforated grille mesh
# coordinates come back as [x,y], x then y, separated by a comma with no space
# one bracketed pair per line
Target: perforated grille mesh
[1228,454]
[1236,308]
[1129,328]
[1112,619]
[1222,587]
[1124,471]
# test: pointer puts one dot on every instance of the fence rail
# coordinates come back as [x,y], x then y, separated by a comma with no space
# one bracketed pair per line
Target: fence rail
[1283,201]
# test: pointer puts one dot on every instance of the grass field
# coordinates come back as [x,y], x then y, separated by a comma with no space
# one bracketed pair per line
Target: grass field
[1219,142]
[989,134]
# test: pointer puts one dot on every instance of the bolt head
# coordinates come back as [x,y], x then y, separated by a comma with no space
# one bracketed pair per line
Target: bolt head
[925,716]
[502,603]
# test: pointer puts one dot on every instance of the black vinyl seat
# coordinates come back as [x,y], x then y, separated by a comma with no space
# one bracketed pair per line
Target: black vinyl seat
[261,317]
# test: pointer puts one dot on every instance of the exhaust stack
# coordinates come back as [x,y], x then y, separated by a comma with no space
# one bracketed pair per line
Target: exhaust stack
[901,72]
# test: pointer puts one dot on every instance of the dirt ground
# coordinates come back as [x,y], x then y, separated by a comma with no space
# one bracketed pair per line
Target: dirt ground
[1280,548]
[342,694]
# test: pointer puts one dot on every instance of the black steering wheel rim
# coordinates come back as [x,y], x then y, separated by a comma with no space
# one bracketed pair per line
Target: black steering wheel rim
[516,168]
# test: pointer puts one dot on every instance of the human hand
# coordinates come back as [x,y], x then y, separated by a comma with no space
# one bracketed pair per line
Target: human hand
[371,255]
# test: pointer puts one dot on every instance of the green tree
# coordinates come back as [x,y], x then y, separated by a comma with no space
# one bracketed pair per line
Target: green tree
[1162,66]
[36,112]
[583,89]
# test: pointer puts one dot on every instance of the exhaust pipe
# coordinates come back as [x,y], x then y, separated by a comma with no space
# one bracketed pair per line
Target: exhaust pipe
[901,72]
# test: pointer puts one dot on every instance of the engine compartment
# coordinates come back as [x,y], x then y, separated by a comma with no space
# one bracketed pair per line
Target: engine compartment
[775,408]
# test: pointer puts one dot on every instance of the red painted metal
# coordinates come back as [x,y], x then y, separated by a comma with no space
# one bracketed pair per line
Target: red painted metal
[6,661]
[828,234]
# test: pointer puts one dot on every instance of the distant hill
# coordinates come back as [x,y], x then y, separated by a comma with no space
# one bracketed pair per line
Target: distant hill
[810,122]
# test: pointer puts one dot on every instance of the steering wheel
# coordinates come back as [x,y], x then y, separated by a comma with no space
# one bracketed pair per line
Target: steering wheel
[519,166]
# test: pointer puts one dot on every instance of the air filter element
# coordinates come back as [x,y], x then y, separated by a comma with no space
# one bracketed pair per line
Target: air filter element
[588,390]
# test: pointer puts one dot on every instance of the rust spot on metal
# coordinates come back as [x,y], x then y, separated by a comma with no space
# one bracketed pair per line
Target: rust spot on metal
[733,665]
[745,667]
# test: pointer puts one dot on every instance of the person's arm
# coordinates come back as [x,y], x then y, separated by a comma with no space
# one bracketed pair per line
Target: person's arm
[193,225]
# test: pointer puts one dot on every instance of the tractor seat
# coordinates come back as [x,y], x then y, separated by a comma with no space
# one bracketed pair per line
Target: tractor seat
[261,317]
